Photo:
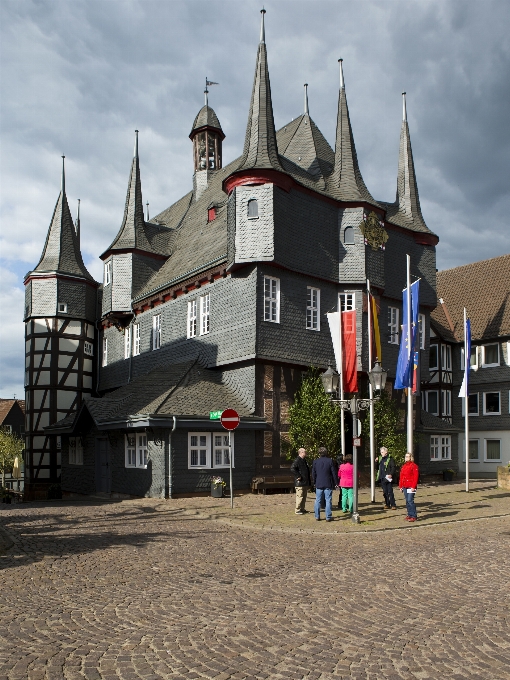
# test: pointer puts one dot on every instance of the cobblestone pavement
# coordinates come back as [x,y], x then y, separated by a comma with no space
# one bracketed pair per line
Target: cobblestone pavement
[148,589]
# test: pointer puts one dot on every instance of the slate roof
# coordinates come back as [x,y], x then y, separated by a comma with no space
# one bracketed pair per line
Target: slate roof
[484,289]
[185,389]
[6,406]
[435,424]
[61,252]
[206,117]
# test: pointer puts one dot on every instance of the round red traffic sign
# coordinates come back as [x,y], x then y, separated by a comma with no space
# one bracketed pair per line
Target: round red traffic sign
[230,419]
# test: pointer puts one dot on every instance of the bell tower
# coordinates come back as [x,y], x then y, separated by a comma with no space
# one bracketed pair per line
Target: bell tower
[207,137]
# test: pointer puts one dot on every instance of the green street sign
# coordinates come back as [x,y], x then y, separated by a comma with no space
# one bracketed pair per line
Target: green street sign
[215,415]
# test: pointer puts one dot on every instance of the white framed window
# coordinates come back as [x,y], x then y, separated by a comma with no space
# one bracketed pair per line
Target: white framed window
[421,331]
[156,331]
[199,450]
[446,403]
[492,403]
[75,451]
[271,299]
[221,451]
[490,355]
[440,447]
[136,339]
[349,236]
[128,333]
[205,313]
[433,357]
[474,356]
[446,357]
[192,319]
[507,352]
[62,307]
[431,402]
[393,318]
[136,450]
[474,451]
[88,348]
[473,405]
[346,302]
[492,452]
[313,306]
[253,208]
[105,351]
[107,273]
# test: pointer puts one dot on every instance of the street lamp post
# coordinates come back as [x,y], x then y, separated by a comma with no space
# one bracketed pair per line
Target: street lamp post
[330,381]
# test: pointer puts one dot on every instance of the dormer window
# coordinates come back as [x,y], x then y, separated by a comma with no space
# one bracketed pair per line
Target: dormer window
[62,308]
[211,214]
[349,236]
[253,208]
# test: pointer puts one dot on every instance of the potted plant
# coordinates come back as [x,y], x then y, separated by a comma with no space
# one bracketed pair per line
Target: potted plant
[448,475]
[217,486]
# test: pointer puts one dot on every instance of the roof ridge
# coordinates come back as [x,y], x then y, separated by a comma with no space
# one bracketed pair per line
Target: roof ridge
[471,264]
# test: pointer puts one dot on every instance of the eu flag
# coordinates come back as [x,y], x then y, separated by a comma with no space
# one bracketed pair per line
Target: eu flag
[404,377]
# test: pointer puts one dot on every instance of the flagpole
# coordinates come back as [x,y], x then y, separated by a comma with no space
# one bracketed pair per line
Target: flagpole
[341,371]
[409,348]
[371,397]
[467,366]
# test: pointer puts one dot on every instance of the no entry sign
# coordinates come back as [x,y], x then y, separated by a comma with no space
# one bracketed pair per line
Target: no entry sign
[230,419]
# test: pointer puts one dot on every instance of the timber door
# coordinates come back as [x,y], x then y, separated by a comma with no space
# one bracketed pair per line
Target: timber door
[103,480]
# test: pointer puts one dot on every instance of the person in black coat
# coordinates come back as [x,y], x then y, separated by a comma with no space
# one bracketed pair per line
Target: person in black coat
[302,482]
[324,478]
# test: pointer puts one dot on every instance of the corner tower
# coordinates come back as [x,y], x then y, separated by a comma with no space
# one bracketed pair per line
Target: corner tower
[60,313]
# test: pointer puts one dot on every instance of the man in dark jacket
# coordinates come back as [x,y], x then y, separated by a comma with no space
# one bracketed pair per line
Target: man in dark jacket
[385,472]
[324,478]
[302,482]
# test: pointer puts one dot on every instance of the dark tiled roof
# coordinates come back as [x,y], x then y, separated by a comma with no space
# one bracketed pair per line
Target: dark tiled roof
[61,251]
[206,116]
[484,289]
[304,145]
[434,424]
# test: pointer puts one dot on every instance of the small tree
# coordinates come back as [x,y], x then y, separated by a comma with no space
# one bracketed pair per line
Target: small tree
[10,446]
[313,420]
[387,428]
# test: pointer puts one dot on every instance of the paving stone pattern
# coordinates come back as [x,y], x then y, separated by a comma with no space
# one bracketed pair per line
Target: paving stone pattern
[149,589]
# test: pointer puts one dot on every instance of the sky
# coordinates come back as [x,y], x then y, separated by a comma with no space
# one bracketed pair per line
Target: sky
[77,77]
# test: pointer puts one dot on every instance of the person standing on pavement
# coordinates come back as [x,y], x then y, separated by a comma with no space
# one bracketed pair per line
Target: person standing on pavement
[302,481]
[385,473]
[408,483]
[324,479]
[345,482]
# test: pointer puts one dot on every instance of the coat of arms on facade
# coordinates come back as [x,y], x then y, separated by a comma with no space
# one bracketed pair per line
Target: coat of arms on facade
[373,231]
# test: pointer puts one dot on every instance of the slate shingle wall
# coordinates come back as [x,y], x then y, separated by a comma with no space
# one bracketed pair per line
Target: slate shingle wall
[44,297]
[423,265]
[254,238]
[352,256]
[80,478]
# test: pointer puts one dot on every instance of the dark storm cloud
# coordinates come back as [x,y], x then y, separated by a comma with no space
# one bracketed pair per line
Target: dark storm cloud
[79,76]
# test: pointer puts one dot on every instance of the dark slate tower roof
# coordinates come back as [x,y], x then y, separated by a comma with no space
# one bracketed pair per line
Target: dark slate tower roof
[132,235]
[346,182]
[260,147]
[406,210]
[61,251]
[206,117]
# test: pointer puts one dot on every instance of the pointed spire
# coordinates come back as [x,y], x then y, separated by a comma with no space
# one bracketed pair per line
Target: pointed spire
[306,100]
[77,223]
[346,180]
[61,252]
[408,200]
[147,204]
[262,27]
[260,147]
[132,231]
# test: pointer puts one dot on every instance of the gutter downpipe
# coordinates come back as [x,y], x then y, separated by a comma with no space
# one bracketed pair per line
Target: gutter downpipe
[170,473]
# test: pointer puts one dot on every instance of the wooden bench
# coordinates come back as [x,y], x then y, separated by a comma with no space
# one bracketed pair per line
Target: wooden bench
[283,482]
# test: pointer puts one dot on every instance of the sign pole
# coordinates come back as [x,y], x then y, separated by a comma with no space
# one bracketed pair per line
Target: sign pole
[371,397]
[354,411]
[230,468]
[409,347]
[229,421]
[467,368]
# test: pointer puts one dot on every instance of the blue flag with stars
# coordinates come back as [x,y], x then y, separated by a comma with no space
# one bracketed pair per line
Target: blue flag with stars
[404,377]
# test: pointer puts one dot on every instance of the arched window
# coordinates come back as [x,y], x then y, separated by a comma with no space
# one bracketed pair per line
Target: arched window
[349,236]
[253,208]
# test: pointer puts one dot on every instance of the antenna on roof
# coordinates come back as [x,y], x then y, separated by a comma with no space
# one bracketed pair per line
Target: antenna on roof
[342,82]
[147,204]
[306,99]
[404,107]
[262,27]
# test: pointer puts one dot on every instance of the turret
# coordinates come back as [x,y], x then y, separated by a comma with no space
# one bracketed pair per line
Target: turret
[207,137]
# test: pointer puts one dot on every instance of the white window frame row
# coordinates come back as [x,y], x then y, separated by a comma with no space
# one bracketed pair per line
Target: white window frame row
[440,447]
[485,412]
[443,397]
[486,361]
[209,450]
[203,303]
[136,450]
[488,442]
[313,308]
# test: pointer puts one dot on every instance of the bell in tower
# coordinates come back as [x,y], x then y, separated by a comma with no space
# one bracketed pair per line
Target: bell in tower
[207,137]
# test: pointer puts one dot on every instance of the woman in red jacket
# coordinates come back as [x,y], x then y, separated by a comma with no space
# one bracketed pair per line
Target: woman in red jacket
[408,482]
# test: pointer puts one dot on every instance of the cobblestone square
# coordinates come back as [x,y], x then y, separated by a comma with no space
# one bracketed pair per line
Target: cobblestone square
[175,589]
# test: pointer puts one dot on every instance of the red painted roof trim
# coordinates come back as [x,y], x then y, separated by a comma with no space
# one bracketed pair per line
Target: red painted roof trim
[257,177]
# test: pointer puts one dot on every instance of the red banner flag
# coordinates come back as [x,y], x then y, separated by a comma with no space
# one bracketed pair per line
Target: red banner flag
[350,358]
